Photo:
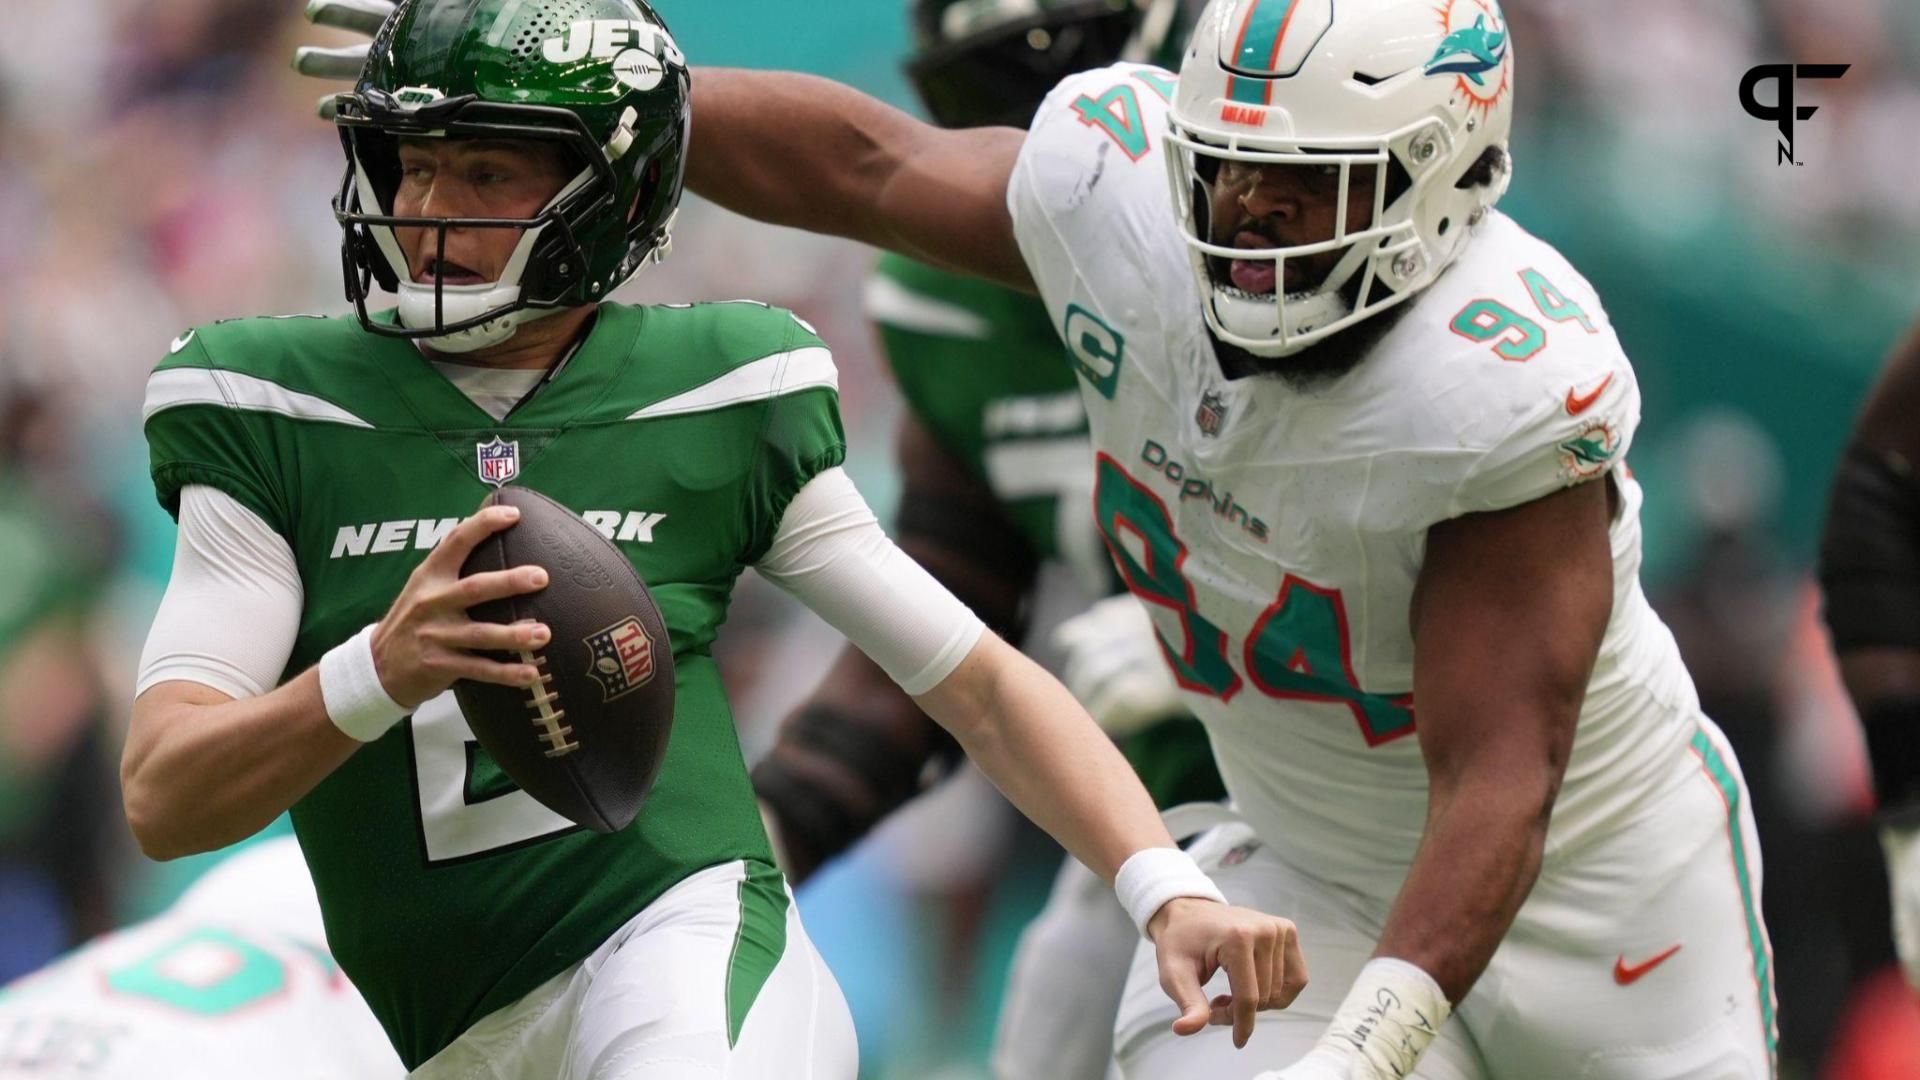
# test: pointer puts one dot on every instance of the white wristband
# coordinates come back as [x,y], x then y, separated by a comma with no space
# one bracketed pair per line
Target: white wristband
[350,686]
[1386,1022]
[1152,876]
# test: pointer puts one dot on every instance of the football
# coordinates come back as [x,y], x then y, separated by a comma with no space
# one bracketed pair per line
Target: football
[586,742]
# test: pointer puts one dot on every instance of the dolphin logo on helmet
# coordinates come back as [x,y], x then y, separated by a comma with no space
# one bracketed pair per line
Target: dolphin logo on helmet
[1471,52]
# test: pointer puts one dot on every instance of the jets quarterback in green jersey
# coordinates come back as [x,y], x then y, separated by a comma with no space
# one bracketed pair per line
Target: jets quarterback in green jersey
[510,162]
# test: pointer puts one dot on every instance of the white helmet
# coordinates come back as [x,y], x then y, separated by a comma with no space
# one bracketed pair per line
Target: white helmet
[1415,90]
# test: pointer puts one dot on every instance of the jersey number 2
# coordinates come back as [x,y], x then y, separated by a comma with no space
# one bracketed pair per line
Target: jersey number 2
[1298,648]
[468,807]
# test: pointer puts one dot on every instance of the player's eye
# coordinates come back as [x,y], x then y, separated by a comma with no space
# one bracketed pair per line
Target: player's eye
[1236,174]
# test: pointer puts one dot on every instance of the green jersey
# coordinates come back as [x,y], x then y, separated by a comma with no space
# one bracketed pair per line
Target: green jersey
[982,368]
[680,432]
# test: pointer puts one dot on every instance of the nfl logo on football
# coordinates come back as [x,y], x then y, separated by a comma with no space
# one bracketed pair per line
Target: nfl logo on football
[499,460]
[1211,414]
[622,658]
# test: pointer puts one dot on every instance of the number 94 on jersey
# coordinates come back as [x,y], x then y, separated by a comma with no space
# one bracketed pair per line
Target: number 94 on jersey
[1298,648]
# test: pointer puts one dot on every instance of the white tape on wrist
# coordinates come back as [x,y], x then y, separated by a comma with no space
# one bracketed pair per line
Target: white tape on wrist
[1387,1020]
[1152,876]
[350,686]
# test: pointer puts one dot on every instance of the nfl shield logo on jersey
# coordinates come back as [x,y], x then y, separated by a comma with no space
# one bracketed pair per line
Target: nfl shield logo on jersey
[1211,414]
[622,658]
[499,460]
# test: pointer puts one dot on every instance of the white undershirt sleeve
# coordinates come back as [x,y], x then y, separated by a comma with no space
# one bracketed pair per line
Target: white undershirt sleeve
[232,607]
[833,556]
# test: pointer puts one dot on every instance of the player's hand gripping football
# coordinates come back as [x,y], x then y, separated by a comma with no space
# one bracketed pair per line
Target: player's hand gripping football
[1261,954]
[344,62]
[424,643]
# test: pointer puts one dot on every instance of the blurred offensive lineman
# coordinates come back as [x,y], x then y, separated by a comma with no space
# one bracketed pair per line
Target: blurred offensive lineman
[1870,573]
[993,456]
[510,162]
[233,982]
[1359,444]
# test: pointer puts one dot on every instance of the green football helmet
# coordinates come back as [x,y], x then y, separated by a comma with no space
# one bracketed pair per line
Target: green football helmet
[601,79]
[980,63]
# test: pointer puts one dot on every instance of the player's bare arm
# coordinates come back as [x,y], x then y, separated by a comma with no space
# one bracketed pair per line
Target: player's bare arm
[1041,749]
[1870,574]
[202,770]
[1507,617]
[1507,620]
[858,748]
[814,154]
[1037,744]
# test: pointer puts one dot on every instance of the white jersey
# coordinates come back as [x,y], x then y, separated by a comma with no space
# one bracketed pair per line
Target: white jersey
[1277,533]
[233,982]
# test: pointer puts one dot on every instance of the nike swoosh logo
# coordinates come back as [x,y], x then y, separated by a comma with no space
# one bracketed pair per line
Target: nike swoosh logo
[1578,405]
[180,342]
[1626,975]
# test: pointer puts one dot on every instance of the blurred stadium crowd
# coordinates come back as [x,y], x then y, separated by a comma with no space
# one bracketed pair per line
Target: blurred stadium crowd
[160,166]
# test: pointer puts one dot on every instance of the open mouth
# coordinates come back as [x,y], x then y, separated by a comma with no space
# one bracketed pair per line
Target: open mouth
[447,272]
[1260,277]
[1255,278]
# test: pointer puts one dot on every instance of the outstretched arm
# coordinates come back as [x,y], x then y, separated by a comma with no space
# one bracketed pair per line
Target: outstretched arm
[859,747]
[814,154]
[1036,744]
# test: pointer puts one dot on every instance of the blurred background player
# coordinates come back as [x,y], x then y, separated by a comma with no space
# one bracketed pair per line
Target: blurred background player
[56,832]
[992,452]
[232,982]
[1870,573]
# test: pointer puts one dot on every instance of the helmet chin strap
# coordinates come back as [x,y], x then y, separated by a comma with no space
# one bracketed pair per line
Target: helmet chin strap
[1304,315]
[460,302]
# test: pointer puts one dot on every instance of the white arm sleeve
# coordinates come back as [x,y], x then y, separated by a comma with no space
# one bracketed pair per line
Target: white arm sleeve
[833,556]
[232,608]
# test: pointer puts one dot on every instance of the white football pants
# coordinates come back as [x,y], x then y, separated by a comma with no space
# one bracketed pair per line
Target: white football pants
[1638,955]
[669,997]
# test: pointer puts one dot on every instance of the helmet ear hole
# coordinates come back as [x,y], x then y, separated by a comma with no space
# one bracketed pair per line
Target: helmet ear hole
[1485,170]
[649,186]
[1445,224]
